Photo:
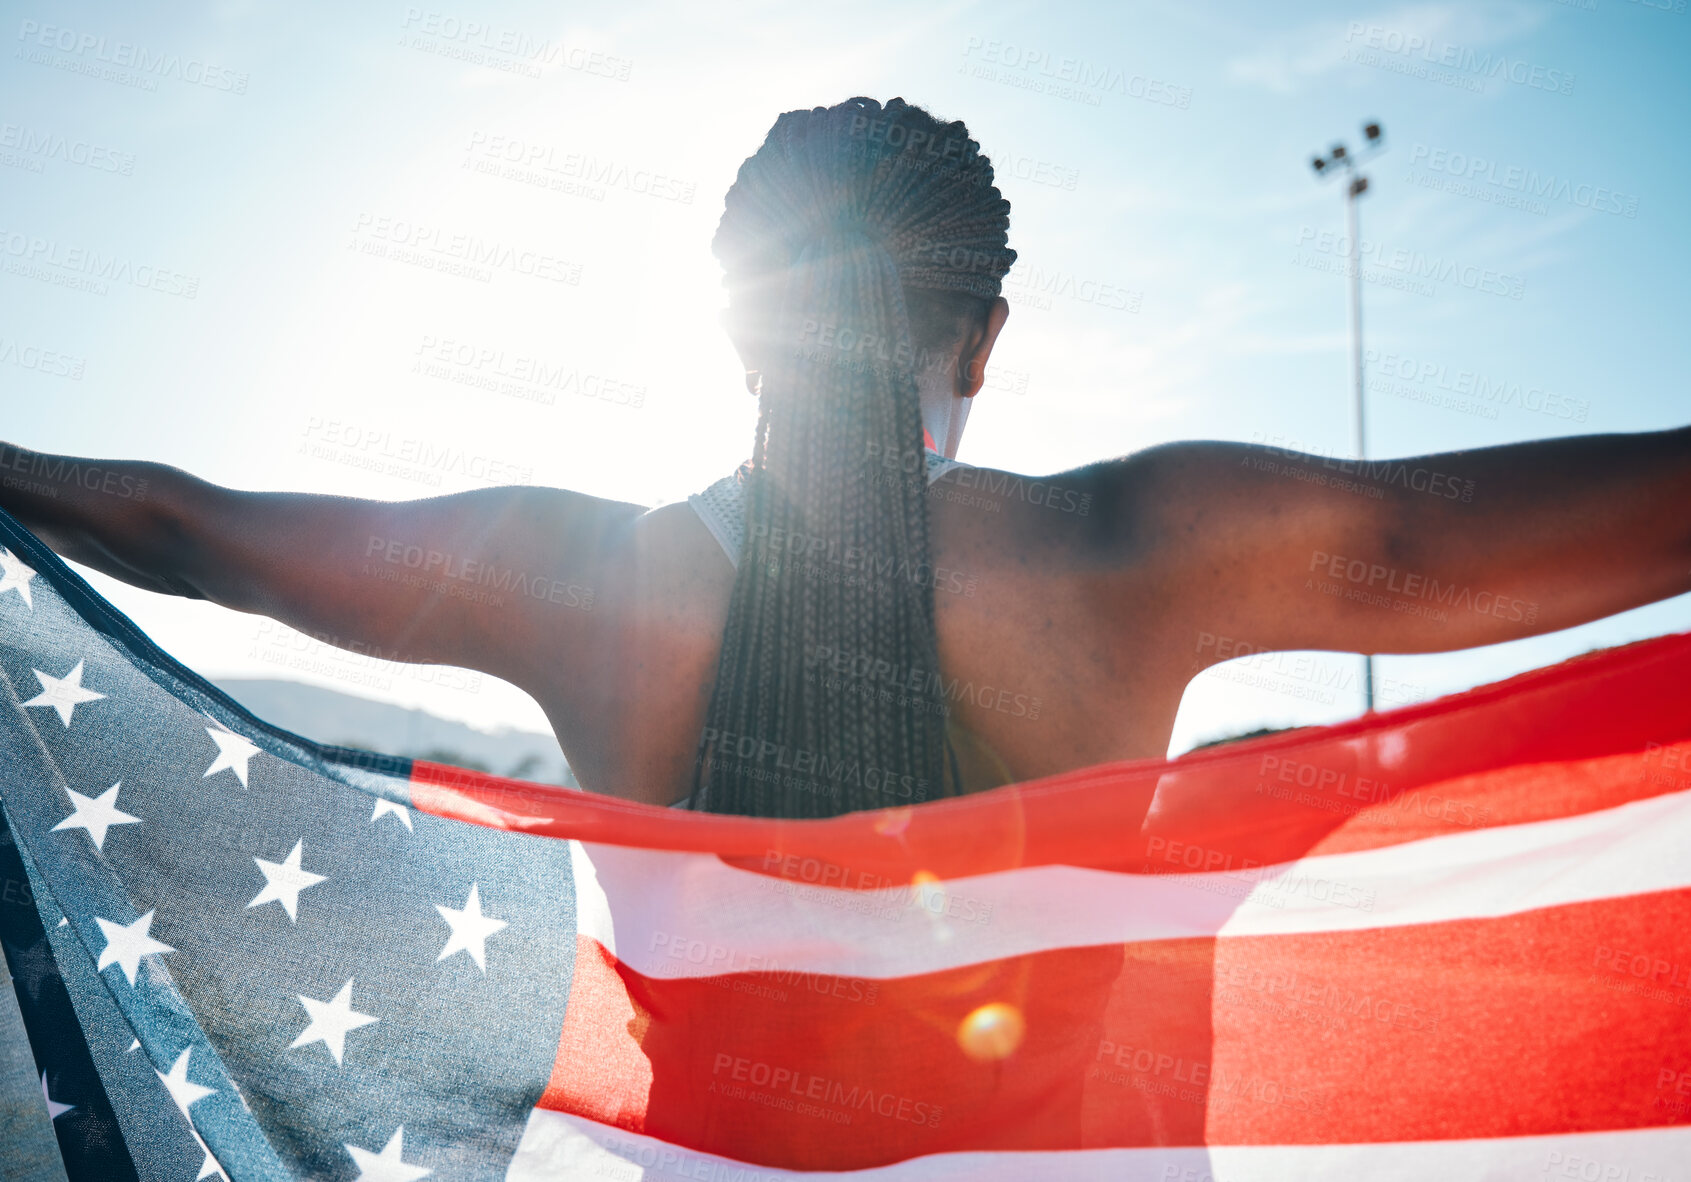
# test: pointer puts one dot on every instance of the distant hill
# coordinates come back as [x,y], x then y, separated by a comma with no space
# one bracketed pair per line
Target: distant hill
[1243,735]
[348,721]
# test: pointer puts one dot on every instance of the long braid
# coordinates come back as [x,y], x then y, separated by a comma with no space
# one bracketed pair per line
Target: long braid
[840,215]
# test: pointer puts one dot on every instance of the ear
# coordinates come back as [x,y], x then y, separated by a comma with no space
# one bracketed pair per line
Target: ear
[977,347]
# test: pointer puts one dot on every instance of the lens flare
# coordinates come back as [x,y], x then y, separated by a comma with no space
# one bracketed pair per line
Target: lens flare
[991,1032]
[893,822]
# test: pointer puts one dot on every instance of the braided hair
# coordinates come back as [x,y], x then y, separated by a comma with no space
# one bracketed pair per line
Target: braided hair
[849,225]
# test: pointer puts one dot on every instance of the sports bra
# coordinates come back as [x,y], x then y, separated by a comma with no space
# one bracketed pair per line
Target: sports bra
[722,508]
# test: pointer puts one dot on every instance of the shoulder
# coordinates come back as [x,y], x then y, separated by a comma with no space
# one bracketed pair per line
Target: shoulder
[1106,511]
[670,564]
[1191,498]
[547,531]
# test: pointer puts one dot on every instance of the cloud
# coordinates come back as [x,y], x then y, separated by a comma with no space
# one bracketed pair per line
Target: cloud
[1286,63]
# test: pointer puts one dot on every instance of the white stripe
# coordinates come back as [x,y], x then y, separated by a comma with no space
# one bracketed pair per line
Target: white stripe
[592,909]
[556,1145]
[691,915]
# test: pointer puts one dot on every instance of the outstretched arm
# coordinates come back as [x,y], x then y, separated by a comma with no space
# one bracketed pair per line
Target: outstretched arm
[1282,550]
[472,579]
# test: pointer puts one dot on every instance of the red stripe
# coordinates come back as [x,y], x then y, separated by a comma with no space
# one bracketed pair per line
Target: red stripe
[1530,1024]
[1541,1027]
[600,1067]
[1513,796]
[1472,747]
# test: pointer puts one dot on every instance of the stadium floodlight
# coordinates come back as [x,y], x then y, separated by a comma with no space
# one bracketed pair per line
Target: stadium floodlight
[1338,159]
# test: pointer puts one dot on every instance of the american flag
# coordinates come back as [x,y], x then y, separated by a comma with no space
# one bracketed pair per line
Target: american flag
[1450,941]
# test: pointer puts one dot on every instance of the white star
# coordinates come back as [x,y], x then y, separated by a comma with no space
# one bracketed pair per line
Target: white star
[182,1089]
[384,805]
[210,1165]
[96,814]
[389,1165]
[185,1092]
[470,929]
[126,945]
[330,1021]
[15,576]
[63,694]
[134,1046]
[233,753]
[284,881]
[54,1109]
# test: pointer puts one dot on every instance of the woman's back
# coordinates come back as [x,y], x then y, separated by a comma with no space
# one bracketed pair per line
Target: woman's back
[1037,672]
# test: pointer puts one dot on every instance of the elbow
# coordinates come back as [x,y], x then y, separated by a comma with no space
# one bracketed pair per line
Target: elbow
[157,540]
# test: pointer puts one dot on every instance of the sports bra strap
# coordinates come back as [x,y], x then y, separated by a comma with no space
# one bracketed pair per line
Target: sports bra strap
[722,506]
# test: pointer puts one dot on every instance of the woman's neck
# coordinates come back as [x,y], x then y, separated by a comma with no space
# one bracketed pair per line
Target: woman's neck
[943,416]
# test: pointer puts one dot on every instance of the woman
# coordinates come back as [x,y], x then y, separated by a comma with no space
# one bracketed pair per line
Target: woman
[853,620]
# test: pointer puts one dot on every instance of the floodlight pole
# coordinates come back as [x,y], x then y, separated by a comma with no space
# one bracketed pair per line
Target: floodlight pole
[1355,189]
[1355,186]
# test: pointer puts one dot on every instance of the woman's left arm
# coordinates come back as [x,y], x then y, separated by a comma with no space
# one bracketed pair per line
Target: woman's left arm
[1422,554]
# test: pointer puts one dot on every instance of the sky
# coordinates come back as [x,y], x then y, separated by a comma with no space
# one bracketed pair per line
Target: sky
[281,189]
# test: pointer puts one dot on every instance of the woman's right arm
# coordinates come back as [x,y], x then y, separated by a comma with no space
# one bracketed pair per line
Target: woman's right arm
[123,518]
[501,579]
